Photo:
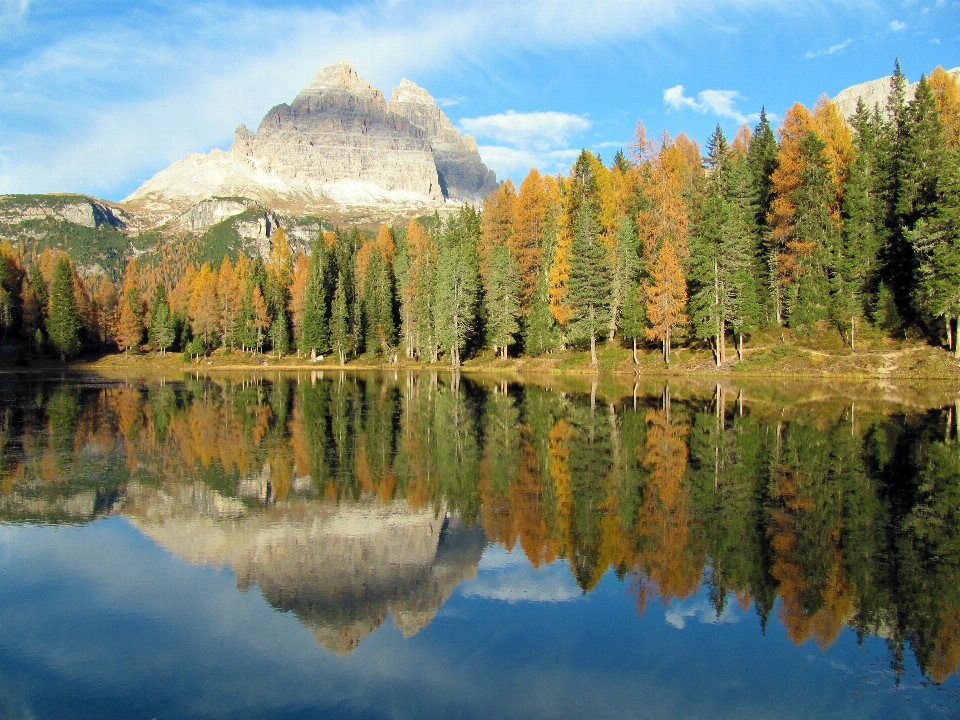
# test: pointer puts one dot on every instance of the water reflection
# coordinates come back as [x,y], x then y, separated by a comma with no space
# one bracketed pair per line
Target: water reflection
[344,498]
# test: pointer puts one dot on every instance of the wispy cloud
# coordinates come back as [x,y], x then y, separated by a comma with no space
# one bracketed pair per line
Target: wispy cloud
[897,26]
[830,50]
[718,102]
[96,99]
[537,130]
[700,610]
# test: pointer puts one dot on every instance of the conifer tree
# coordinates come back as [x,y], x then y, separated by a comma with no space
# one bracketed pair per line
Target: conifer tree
[129,330]
[920,169]
[340,322]
[457,284]
[315,334]
[378,305]
[280,333]
[942,287]
[863,225]
[590,270]
[260,319]
[633,316]
[503,301]
[161,332]
[814,242]
[63,321]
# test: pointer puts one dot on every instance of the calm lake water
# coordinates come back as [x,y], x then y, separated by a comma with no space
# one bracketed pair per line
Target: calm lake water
[419,545]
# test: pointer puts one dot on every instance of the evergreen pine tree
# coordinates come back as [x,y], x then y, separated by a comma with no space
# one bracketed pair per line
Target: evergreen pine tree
[161,331]
[590,269]
[379,322]
[815,240]
[502,300]
[63,320]
[340,322]
[315,336]
[280,333]
[457,284]
[633,316]
[863,225]
[920,169]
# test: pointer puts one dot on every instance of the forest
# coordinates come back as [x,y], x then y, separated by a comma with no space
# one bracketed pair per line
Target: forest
[825,226]
[819,514]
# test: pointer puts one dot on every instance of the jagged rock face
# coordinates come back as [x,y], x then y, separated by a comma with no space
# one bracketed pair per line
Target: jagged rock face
[337,145]
[873,93]
[339,568]
[77,209]
[463,176]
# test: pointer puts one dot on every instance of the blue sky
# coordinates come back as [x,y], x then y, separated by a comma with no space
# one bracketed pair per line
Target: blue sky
[97,96]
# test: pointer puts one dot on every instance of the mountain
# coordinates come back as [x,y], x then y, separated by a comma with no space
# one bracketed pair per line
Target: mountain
[338,150]
[873,92]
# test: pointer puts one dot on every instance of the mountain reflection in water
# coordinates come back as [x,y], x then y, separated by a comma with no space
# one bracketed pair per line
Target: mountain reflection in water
[347,497]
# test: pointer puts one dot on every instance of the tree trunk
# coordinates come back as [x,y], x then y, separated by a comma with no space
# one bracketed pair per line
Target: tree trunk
[593,348]
[635,352]
[740,347]
[853,332]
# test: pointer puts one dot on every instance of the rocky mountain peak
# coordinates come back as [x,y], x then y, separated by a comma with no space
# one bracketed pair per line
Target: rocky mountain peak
[409,92]
[342,76]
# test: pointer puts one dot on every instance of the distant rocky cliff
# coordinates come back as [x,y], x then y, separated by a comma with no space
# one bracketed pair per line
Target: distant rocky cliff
[873,92]
[337,148]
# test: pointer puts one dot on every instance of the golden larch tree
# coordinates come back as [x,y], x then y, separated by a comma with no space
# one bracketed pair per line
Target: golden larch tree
[946,94]
[203,305]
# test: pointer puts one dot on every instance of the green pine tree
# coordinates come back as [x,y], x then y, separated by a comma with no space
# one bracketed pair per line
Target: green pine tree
[340,322]
[280,333]
[457,284]
[863,225]
[161,332]
[63,320]
[807,298]
[591,273]
[502,301]
[315,334]
[380,335]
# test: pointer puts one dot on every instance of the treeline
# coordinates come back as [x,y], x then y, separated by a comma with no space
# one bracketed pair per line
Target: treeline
[822,226]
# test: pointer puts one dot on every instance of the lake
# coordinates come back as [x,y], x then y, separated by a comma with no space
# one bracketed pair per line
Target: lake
[408,545]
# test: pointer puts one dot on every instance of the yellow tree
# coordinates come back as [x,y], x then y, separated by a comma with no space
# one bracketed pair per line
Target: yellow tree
[526,240]
[129,328]
[261,318]
[496,225]
[203,305]
[666,297]
[415,291]
[105,304]
[298,294]
[830,126]
[668,179]
[228,301]
[280,263]
[180,295]
[787,179]
[946,94]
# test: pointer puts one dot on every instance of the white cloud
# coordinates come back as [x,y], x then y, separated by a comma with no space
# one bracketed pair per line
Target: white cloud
[897,26]
[718,102]
[509,577]
[830,50]
[511,162]
[445,102]
[101,102]
[700,610]
[538,130]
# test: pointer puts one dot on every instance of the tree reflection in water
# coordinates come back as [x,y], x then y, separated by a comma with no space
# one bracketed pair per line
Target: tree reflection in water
[345,497]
